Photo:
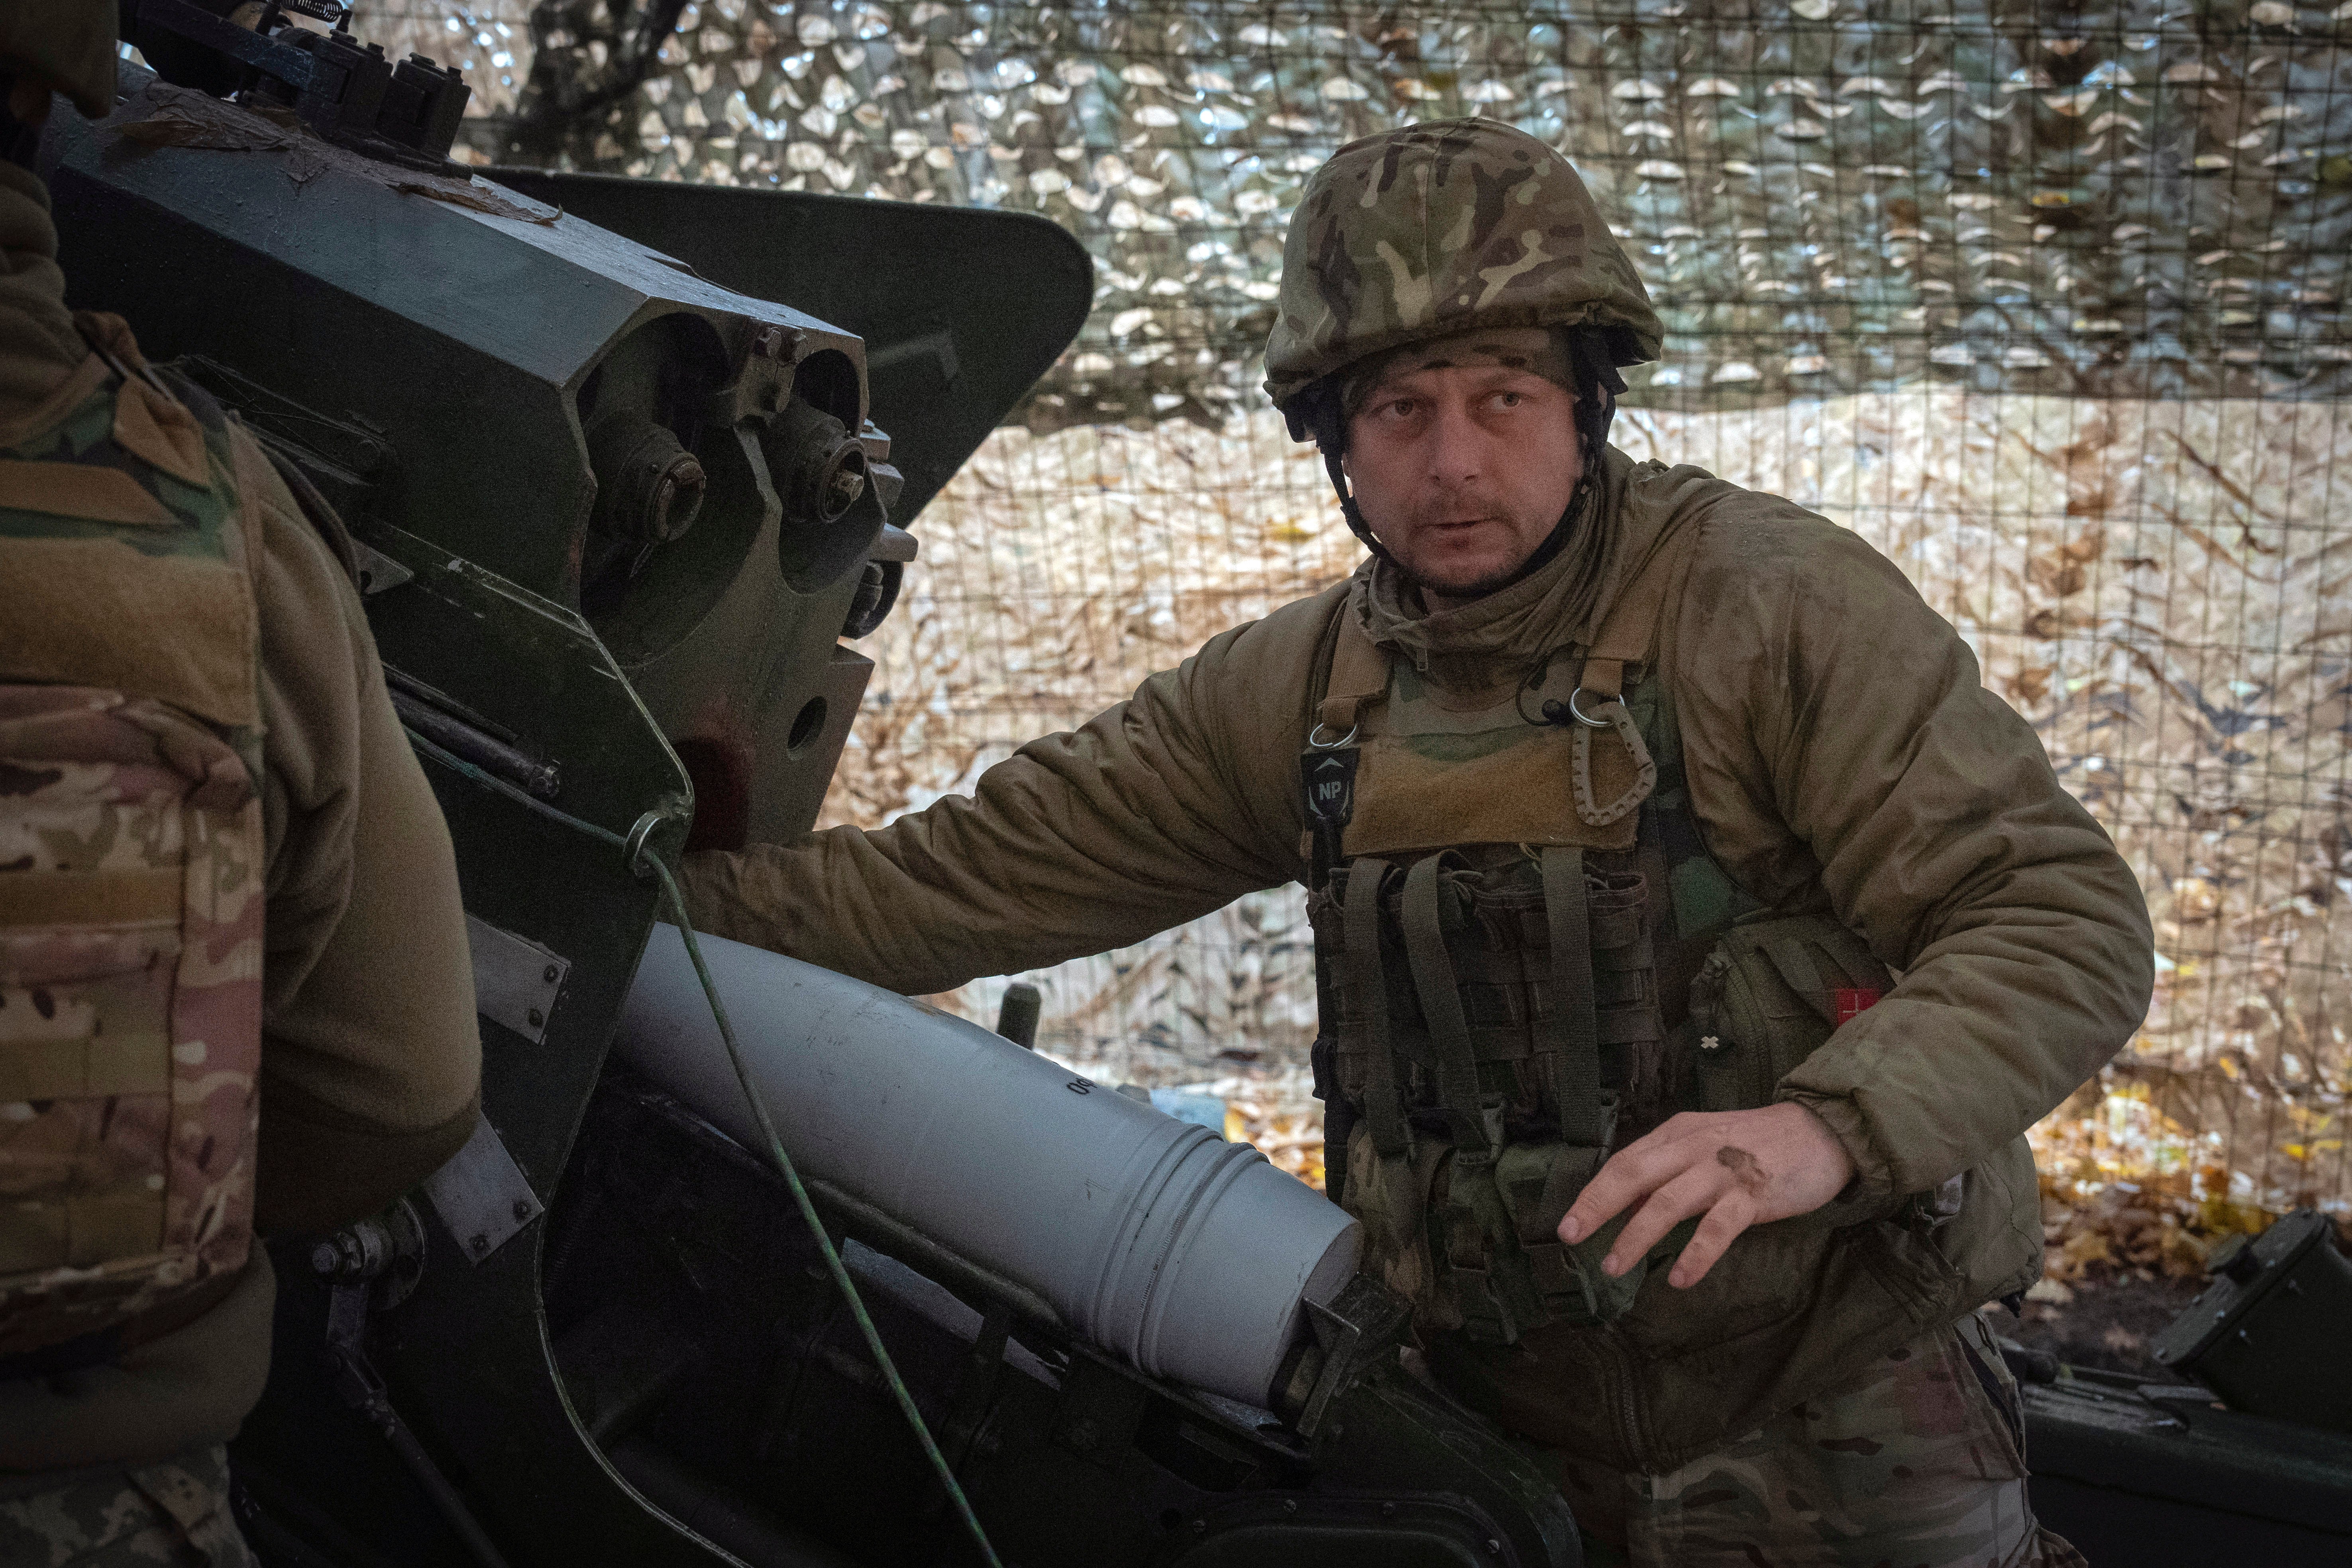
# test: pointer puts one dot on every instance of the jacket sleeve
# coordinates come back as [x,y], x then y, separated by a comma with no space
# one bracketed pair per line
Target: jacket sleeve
[1836,729]
[370,1056]
[1158,810]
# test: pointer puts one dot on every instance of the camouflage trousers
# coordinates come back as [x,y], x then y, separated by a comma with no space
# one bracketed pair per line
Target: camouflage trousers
[174,1514]
[1920,1463]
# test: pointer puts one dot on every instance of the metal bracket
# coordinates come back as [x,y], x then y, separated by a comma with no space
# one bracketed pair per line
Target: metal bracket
[516,980]
[975,1397]
[378,571]
[1364,1323]
[482,1196]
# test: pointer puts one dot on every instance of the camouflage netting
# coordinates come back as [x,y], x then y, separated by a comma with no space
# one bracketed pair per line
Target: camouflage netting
[1826,197]
[2049,305]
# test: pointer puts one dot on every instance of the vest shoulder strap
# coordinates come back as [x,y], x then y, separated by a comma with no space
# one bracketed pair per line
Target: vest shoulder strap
[1630,630]
[1359,673]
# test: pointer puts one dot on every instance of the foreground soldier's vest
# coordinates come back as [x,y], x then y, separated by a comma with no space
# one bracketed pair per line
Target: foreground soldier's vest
[130,866]
[1510,899]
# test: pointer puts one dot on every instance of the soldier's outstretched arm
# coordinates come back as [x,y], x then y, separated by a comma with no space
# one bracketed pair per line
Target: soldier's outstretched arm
[1161,808]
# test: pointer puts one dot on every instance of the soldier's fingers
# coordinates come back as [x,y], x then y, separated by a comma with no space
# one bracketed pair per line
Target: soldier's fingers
[1632,1173]
[1734,1211]
[1695,1189]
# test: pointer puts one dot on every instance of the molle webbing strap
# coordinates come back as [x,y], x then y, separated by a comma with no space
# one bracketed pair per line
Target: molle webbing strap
[1456,1063]
[1359,672]
[118,897]
[1632,625]
[1818,963]
[1844,950]
[1788,955]
[1576,1056]
[1360,924]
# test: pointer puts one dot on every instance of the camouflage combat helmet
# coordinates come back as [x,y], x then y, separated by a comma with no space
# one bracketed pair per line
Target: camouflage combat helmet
[68,43]
[1439,228]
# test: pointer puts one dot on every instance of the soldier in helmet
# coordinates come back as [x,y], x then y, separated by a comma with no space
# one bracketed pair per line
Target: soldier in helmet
[234,995]
[1695,937]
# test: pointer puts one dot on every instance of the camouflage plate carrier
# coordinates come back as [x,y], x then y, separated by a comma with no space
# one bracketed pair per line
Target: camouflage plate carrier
[131,865]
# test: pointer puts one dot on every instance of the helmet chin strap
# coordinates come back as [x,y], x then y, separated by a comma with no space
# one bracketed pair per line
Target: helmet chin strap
[1598,386]
[1332,454]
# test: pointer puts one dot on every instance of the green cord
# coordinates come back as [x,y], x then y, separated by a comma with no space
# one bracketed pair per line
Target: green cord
[644,858]
[816,1227]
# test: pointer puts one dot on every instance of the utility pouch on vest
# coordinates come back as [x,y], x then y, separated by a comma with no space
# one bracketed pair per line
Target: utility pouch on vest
[131,866]
[1438,1251]
[1768,996]
[1538,1182]
[1469,1014]
[1478,1281]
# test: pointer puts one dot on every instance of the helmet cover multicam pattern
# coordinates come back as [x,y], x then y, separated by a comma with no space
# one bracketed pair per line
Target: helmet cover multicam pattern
[1438,228]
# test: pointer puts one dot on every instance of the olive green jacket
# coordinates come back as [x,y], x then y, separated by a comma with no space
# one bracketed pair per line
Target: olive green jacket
[1840,751]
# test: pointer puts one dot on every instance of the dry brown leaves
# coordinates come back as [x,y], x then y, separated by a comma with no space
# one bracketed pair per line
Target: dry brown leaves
[1287,1129]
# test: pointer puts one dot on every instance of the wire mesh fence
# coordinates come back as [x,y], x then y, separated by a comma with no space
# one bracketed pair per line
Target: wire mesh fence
[2046,302]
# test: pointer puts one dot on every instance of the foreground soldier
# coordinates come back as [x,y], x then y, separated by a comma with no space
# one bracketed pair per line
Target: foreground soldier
[172,630]
[1619,794]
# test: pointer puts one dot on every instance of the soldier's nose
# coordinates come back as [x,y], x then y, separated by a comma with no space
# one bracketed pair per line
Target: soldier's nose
[1457,450]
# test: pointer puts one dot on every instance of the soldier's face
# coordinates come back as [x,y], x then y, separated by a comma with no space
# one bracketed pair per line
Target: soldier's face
[1462,470]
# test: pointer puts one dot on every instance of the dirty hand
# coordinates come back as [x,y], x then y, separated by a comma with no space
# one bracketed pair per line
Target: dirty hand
[1737,1167]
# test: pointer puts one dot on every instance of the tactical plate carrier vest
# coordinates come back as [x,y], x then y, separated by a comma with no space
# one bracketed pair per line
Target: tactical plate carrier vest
[1510,903]
[130,868]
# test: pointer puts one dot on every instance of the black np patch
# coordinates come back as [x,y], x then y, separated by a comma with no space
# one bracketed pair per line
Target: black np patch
[1329,778]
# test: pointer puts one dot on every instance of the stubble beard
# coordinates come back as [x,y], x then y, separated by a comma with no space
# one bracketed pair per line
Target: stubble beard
[1476,588]
[1491,580]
